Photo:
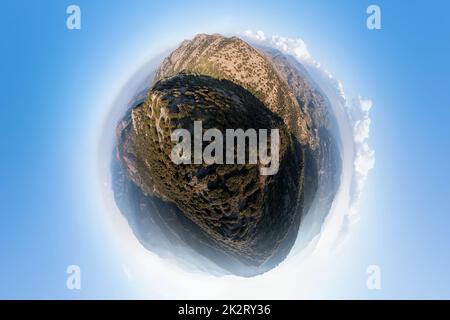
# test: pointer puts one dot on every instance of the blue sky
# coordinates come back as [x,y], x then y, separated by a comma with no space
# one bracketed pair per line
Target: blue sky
[51,78]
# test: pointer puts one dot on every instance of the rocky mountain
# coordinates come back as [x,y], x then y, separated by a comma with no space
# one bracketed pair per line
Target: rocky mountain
[235,60]
[244,222]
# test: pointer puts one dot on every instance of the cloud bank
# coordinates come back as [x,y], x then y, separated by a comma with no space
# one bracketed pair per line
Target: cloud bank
[295,47]
[364,155]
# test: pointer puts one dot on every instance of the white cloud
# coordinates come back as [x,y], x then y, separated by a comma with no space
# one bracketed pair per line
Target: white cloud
[364,159]
[364,155]
[258,35]
[365,105]
[294,47]
[361,130]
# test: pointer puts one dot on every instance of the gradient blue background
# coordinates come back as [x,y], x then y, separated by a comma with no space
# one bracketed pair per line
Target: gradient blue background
[49,77]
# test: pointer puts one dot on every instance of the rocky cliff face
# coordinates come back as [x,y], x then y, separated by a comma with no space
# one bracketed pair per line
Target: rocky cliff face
[245,222]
